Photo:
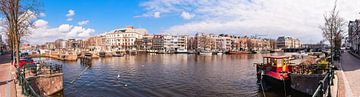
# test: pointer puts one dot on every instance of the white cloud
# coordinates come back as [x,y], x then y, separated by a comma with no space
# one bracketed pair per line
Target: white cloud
[64,27]
[249,17]
[157,14]
[82,23]
[40,23]
[42,14]
[187,15]
[69,19]
[44,33]
[70,15]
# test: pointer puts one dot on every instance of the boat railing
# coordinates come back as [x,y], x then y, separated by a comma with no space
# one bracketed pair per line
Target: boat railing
[324,85]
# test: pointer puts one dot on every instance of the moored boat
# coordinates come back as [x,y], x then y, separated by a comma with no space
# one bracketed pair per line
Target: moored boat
[117,54]
[205,53]
[181,51]
[273,72]
[102,54]
[238,52]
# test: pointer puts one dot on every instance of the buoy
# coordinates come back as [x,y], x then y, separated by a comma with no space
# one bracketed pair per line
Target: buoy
[118,76]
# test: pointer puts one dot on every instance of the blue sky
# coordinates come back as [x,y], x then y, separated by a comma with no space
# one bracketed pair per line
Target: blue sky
[265,18]
[104,15]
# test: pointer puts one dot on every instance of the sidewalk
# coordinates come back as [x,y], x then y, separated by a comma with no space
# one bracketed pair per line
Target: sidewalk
[8,88]
[350,66]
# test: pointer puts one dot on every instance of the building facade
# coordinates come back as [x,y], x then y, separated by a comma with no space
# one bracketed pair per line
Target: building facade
[95,43]
[170,43]
[145,43]
[354,35]
[287,42]
[60,44]
[2,44]
[124,38]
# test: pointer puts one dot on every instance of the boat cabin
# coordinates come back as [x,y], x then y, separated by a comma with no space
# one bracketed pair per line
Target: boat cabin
[276,63]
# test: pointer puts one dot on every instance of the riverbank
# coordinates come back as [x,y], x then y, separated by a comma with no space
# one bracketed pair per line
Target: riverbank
[8,85]
[45,82]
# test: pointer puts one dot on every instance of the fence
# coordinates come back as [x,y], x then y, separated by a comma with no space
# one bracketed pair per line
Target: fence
[324,85]
[25,83]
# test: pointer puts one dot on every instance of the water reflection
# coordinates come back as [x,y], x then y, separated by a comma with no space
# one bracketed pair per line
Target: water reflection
[165,75]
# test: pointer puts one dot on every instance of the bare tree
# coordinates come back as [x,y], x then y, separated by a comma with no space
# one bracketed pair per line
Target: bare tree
[18,16]
[333,28]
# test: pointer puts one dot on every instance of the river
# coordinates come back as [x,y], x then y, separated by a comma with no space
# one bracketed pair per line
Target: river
[164,75]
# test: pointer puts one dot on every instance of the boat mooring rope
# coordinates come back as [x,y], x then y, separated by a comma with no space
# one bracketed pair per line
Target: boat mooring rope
[79,75]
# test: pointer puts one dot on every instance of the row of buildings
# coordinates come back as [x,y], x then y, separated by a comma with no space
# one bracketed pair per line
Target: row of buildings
[354,35]
[2,45]
[130,38]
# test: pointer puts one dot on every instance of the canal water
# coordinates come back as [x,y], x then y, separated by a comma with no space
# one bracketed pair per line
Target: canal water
[165,75]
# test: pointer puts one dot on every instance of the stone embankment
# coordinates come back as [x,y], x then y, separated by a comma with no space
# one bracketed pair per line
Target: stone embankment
[48,84]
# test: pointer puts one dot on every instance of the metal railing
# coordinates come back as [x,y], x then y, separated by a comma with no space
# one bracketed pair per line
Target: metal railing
[324,85]
[26,87]
[25,83]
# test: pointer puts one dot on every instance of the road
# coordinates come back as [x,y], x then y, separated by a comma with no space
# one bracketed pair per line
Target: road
[351,69]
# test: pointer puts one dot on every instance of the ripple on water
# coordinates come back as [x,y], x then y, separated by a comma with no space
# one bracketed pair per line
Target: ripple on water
[163,76]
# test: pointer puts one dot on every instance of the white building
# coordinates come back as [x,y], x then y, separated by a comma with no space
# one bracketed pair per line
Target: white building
[124,38]
[170,43]
[288,42]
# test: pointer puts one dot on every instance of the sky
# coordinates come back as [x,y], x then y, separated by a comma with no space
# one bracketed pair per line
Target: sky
[262,18]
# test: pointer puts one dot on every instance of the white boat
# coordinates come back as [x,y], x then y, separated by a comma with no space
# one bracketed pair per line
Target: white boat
[205,53]
[117,54]
[181,50]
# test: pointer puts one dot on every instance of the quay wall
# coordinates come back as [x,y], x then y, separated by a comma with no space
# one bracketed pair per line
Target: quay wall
[47,85]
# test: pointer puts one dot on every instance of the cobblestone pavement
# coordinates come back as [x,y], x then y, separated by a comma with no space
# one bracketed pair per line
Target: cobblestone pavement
[351,68]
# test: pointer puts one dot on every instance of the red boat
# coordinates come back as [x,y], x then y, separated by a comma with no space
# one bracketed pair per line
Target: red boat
[273,72]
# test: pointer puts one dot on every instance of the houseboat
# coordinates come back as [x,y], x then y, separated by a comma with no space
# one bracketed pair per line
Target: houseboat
[273,72]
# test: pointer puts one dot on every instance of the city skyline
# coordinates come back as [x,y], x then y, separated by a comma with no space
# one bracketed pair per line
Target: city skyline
[179,48]
[267,19]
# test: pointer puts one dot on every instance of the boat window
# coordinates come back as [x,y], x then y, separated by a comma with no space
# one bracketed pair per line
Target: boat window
[273,62]
[280,62]
[266,60]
